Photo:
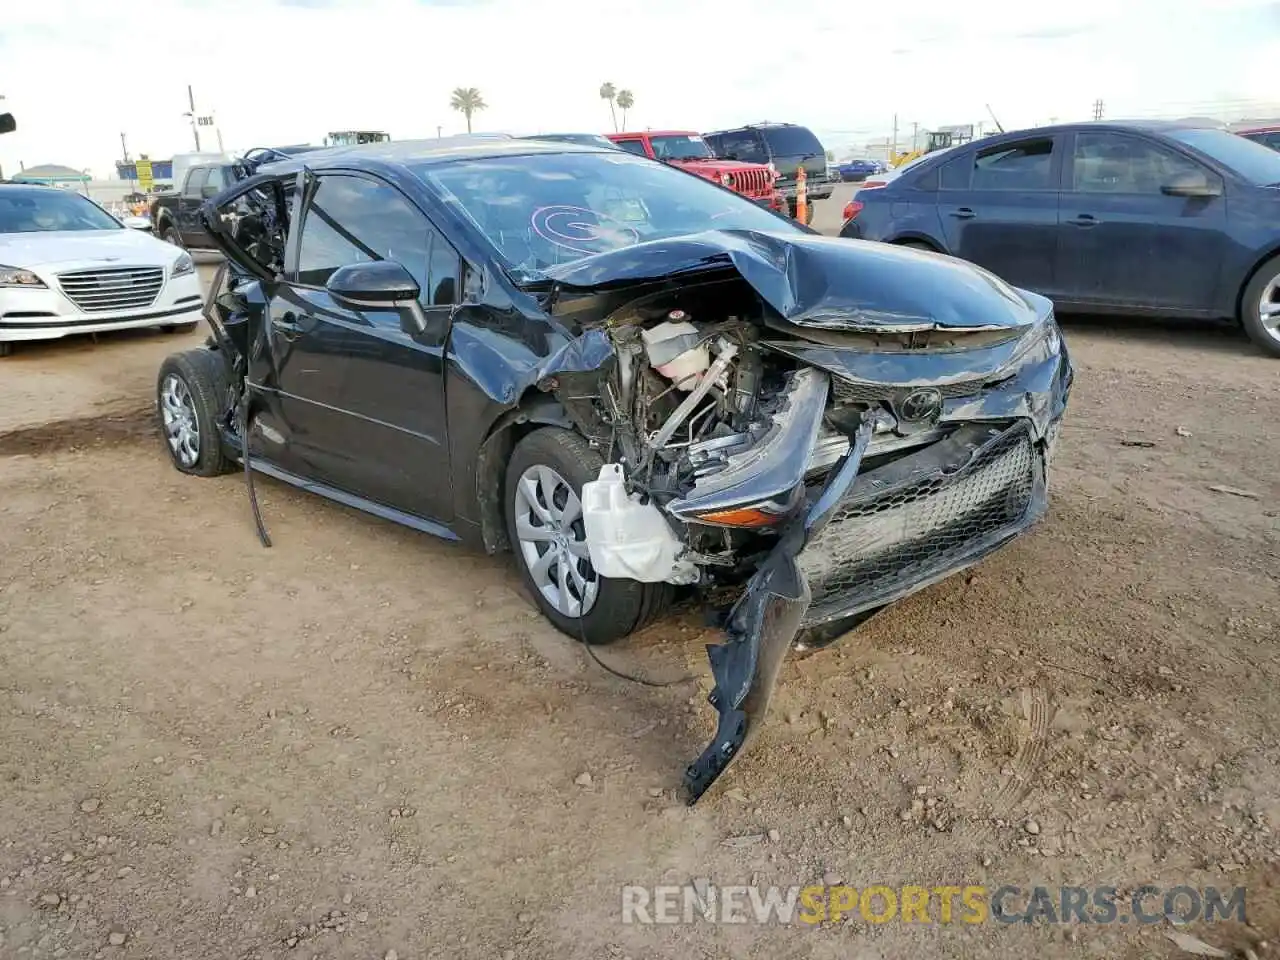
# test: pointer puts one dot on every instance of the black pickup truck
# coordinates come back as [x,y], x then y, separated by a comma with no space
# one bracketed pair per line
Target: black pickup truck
[175,216]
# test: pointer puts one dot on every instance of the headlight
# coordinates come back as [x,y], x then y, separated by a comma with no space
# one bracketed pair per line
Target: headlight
[17,277]
[182,266]
[1039,344]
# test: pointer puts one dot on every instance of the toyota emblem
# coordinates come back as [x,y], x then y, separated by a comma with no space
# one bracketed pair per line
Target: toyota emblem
[920,406]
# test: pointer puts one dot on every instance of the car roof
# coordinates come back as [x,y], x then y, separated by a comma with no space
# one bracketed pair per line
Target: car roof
[419,152]
[655,133]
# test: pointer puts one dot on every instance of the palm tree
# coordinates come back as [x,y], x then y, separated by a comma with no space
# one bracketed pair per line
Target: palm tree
[610,93]
[626,100]
[467,100]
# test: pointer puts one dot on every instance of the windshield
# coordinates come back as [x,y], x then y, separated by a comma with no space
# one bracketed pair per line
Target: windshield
[38,211]
[685,146]
[1258,164]
[546,209]
[792,142]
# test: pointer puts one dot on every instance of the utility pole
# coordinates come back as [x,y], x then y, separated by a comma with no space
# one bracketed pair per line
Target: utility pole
[1097,109]
[439,132]
[195,130]
[893,152]
[915,130]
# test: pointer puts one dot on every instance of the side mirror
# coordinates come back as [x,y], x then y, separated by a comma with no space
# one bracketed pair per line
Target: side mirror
[7,123]
[1192,185]
[137,223]
[380,285]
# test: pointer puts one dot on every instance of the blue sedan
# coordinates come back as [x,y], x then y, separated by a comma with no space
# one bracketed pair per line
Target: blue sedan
[1161,219]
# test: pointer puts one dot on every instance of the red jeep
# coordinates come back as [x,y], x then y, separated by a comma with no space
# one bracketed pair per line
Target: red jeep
[688,151]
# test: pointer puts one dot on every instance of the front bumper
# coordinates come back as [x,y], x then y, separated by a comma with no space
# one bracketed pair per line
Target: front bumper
[871,537]
[814,189]
[48,314]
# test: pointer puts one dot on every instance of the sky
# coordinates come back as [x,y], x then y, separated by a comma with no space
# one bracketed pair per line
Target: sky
[77,73]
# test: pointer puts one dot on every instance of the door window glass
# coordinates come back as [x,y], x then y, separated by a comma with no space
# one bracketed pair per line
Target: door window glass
[196,179]
[1021,166]
[443,275]
[354,220]
[1111,163]
[632,146]
[955,173]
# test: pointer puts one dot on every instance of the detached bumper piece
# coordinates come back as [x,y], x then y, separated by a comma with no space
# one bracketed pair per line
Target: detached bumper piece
[868,539]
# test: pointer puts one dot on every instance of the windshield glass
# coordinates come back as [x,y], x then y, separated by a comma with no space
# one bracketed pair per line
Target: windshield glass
[686,146]
[39,210]
[1258,164]
[792,142]
[546,209]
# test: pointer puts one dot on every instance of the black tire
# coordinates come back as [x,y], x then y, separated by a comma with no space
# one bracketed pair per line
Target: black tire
[169,234]
[918,245]
[6,349]
[179,327]
[792,210]
[203,372]
[621,606]
[1251,307]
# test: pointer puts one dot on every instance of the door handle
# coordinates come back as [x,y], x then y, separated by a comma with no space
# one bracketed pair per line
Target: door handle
[286,324]
[1085,220]
[963,213]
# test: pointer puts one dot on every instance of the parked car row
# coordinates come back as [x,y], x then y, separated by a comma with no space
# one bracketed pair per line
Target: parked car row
[1164,218]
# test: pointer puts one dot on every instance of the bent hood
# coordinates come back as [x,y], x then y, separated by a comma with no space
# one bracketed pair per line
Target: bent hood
[826,283]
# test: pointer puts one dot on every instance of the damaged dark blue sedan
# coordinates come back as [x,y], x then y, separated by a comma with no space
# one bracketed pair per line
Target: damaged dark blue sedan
[634,380]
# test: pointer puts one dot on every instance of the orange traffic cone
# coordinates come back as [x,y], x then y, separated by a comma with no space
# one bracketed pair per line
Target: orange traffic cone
[802,196]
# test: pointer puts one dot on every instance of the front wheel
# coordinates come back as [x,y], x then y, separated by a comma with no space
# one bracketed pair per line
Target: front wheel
[191,394]
[544,522]
[170,234]
[1260,307]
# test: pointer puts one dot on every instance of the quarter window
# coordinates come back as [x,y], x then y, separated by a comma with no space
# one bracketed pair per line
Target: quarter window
[1111,163]
[1021,166]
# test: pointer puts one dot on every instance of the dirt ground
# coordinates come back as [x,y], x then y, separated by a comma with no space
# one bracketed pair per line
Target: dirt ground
[365,743]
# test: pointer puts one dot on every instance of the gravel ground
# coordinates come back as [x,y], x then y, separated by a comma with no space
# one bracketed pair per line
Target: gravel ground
[366,743]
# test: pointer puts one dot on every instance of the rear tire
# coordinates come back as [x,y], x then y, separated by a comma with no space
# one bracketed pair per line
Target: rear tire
[1263,292]
[6,349]
[192,395]
[613,608]
[918,245]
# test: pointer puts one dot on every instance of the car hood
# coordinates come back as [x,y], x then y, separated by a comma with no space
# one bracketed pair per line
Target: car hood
[109,246]
[717,163]
[823,283]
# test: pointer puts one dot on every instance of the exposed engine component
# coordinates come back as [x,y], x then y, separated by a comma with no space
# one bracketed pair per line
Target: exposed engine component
[677,351]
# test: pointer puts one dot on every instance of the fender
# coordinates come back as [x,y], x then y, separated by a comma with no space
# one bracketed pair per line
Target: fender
[535,409]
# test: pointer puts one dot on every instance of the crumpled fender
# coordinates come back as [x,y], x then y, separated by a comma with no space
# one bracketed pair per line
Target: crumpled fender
[823,282]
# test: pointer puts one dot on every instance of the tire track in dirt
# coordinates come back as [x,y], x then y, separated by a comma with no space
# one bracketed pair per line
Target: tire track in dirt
[125,427]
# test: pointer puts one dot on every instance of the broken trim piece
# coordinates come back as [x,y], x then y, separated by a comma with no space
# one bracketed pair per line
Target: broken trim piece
[761,627]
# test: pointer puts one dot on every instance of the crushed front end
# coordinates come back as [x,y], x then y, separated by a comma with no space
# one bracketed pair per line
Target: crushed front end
[825,426]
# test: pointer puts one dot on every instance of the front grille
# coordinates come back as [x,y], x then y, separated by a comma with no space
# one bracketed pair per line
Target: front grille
[880,542]
[847,391]
[753,182]
[112,288]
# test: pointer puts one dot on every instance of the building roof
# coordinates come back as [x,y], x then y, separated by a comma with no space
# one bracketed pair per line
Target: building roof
[47,172]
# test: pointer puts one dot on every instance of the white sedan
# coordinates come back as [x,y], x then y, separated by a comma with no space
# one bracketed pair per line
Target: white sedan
[67,267]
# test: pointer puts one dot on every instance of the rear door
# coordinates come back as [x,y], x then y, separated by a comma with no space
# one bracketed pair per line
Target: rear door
[364,391]
[998,207]
[1124,242]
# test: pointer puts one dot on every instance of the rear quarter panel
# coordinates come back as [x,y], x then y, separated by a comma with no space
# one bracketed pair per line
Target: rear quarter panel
[893,214]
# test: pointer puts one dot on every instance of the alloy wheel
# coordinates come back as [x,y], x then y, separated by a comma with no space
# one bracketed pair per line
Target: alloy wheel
[553,543]
[1269,308]
[181,428]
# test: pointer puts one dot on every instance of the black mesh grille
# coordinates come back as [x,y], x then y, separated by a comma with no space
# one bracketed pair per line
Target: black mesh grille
[847,391]
[879,540]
